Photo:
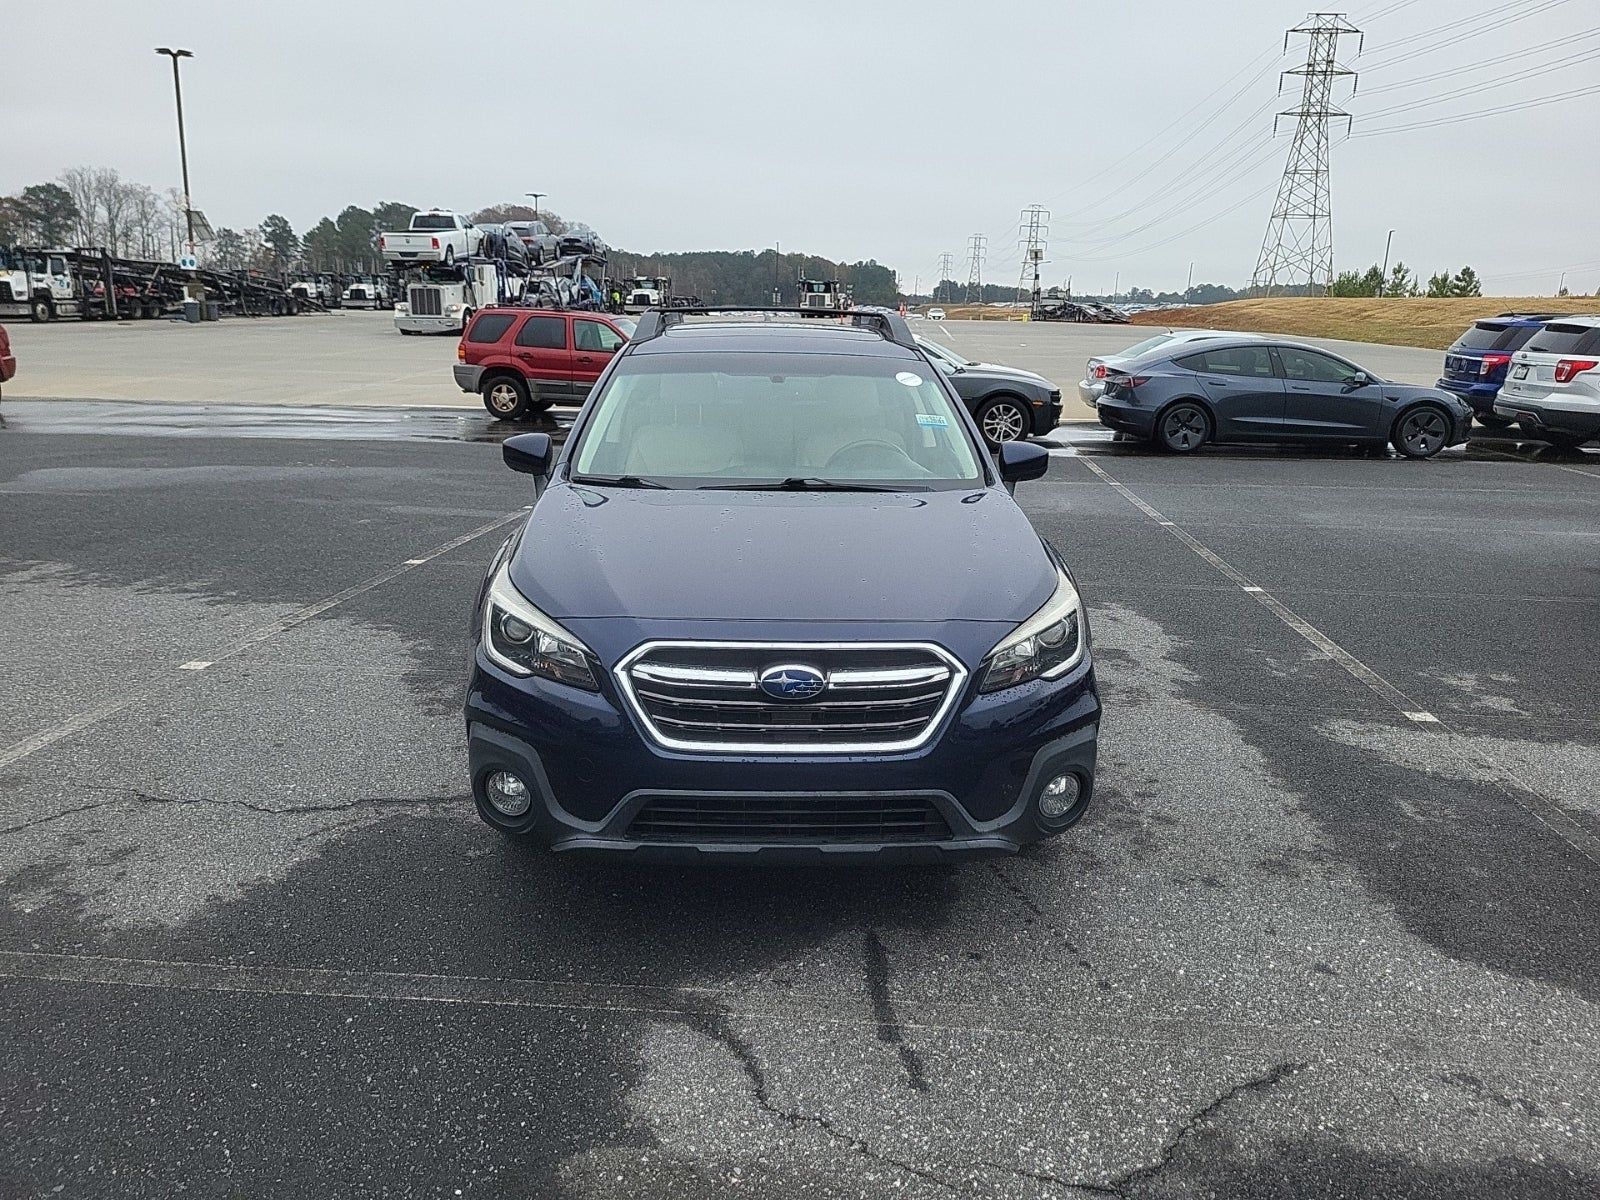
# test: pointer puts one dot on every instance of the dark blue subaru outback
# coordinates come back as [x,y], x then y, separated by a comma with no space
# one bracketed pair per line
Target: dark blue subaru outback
[775,598]
[1475,365]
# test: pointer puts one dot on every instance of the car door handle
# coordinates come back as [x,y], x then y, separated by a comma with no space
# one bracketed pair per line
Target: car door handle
[584,358]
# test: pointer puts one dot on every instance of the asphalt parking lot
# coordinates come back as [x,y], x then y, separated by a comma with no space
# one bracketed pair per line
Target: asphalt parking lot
[356,358]
[1330,929]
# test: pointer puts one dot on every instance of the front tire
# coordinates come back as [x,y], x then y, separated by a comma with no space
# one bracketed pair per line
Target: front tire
[1421,432]
[1183,428]
[1003,419]
[506,397]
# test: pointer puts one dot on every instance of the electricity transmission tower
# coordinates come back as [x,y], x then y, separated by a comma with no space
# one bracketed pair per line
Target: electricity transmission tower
[1034,227]
[1298,247]
[975,245]
[946,263]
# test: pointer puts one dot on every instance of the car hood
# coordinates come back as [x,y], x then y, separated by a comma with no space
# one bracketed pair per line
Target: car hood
[995,371]
[781,557]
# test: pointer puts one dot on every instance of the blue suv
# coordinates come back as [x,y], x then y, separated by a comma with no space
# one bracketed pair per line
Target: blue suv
[1475,366]
[775,598]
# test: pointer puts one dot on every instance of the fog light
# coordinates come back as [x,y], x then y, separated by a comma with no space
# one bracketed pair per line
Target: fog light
[1059,795]
[507,793]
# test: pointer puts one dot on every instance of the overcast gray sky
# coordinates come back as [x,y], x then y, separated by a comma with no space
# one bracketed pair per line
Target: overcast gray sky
[892,130]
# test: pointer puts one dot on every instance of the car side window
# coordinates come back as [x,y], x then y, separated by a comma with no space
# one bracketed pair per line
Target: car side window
[544,333]
[1251,361]
[595,336]
[1305,366]
[490,327]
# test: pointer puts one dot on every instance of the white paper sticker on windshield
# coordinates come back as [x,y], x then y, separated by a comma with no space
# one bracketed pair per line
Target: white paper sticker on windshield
[932,420]
[910,378]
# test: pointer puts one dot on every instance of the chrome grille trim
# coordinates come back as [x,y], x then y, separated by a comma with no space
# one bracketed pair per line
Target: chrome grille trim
[913,701]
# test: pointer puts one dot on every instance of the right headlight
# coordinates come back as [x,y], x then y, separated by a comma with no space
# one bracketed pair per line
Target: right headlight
[524,641]
[1044,646]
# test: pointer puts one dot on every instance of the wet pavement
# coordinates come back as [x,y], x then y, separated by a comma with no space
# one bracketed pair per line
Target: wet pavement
[1330,930]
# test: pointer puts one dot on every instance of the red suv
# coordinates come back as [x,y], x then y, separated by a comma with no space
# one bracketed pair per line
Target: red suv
[8,361]
[523,360]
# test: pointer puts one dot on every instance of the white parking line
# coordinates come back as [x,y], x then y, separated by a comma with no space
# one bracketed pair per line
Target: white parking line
[93,716]
[1544,810]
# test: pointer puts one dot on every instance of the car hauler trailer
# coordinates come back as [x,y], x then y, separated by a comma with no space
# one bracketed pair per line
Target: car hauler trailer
[92,284]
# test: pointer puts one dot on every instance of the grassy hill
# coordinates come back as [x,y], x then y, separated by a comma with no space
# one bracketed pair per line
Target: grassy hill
[1409,321]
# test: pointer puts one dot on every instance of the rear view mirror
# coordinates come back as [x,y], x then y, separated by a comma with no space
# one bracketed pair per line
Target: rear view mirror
[528,453]
[1021,461]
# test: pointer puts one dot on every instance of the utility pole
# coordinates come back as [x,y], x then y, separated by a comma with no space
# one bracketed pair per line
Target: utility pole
[1298,246]
[183,149]
[1383,275]
[975,246]
[1116,285]
[946,265]
[536,197]
[1034,226]
[1188,288]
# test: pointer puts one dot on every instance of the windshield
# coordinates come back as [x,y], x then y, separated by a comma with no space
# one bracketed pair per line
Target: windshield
[1149,343]
[695,420]
[940,350]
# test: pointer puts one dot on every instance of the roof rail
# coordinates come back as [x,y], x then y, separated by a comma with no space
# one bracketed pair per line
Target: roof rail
[1531,316]
[891,326]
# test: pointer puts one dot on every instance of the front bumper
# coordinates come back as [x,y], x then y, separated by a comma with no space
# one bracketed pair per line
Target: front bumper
[428,324]
[591,771]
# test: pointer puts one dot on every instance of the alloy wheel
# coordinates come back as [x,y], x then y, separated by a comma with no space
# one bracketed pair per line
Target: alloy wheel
[1002,422]
[1184,428]
[503,397]
[1423,432]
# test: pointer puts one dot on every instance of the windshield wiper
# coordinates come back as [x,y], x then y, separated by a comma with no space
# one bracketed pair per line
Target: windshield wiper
[806,483]
[629,481]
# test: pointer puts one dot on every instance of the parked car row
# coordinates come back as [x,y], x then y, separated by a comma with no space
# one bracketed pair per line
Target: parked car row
[521,361]
[1540,371]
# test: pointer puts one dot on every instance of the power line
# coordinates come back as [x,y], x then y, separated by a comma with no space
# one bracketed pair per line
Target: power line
[1474,88]
[1540,102]
[1299,238]
[1481,25]
[1478,64]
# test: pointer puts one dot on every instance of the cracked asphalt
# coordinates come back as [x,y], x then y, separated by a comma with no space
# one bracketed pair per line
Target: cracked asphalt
[1331,929]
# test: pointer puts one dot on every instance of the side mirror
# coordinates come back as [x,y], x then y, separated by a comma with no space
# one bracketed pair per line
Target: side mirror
[1360,379]
[528,453]
[1021,461]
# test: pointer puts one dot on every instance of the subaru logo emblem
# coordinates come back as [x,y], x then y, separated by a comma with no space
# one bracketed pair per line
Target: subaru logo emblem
[792,682]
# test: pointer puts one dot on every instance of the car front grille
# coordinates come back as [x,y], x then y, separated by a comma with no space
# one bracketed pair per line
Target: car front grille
[770,819]
[5,290]
[706,696]
[427,302]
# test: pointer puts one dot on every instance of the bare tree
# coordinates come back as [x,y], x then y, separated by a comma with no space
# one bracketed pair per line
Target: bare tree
[82,184]
[145,220]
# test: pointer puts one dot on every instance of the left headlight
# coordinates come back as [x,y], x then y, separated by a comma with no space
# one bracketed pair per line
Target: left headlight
[1044,646]
[521,639]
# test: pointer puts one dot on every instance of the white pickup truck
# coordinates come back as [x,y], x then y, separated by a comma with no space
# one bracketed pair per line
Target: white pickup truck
[436,236]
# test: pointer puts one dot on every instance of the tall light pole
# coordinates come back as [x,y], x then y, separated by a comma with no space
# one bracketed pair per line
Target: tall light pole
[183,149]
[1383,282]
[1188,288]
[536,196]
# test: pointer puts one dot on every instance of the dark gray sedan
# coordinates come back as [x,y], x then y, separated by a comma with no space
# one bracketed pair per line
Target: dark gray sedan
[1181,397]
[1009,405]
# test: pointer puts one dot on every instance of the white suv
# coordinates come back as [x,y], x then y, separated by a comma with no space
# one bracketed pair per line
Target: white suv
[1552,387]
